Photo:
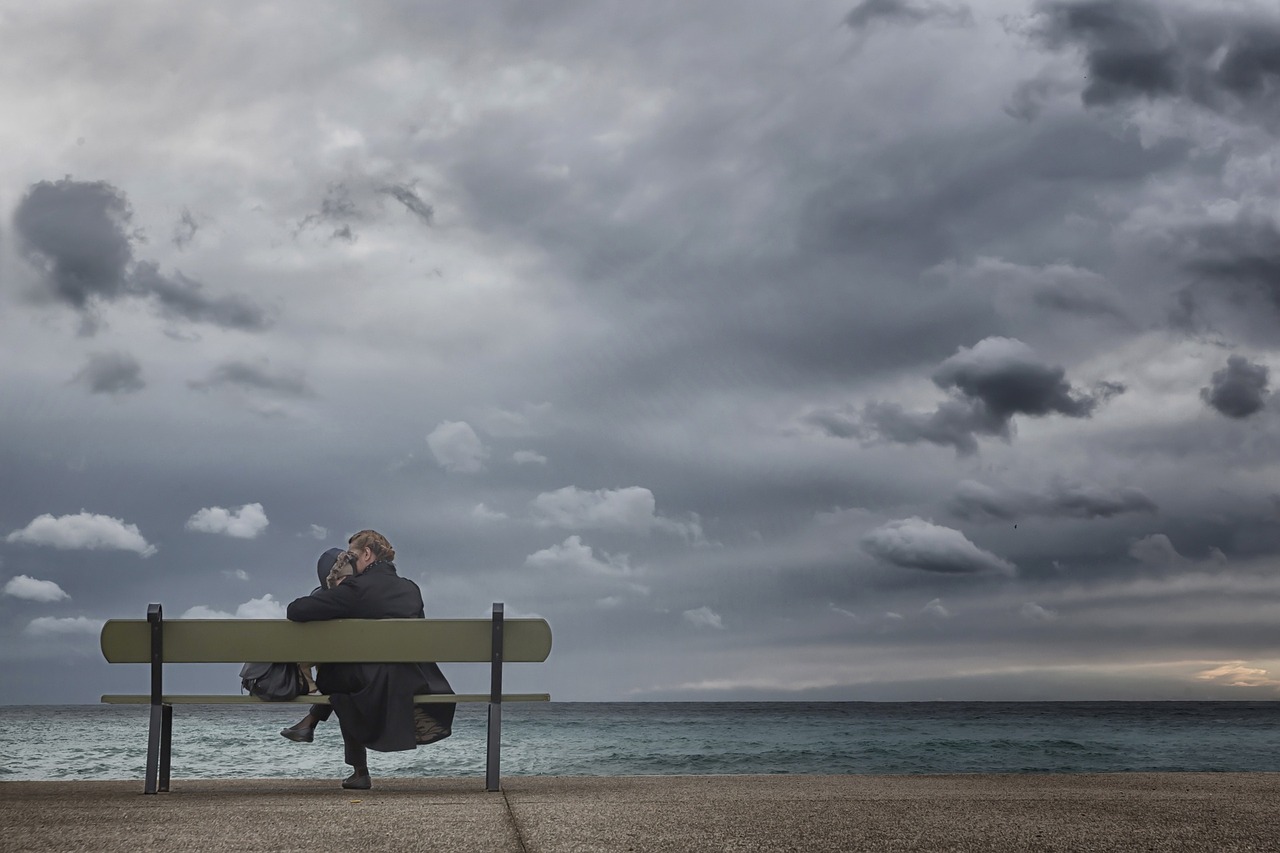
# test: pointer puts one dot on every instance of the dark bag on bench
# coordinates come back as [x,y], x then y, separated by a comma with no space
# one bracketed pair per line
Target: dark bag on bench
[272,682]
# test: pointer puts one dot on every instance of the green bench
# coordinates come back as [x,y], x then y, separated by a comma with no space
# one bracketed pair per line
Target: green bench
[155,641]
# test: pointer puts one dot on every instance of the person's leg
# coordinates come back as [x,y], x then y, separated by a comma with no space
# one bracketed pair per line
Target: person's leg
[305,669]
[304,730]
[358,757]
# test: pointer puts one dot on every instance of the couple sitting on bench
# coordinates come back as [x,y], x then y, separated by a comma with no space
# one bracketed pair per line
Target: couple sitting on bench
[373,700]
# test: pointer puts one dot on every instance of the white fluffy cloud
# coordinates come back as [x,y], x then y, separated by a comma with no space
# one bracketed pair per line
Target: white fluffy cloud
[83,531]
[247,522]
[30,589]
[573,553]
[457,448]
[918,544]
[50,626]
[703,617]
[255,608]
[631,508]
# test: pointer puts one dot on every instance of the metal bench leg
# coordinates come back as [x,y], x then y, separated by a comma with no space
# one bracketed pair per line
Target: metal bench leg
[493,755]
[153,748]
[161,714]
[166,745]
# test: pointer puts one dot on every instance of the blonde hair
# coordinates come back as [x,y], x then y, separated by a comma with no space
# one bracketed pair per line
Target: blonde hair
[375,542]
[343,567]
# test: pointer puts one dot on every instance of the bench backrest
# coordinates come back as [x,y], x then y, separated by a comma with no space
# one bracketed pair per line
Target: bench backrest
[335,641]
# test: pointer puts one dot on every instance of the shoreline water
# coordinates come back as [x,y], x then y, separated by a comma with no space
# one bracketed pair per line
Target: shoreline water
[669,739]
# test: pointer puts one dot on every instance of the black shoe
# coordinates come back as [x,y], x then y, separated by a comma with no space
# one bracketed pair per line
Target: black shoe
[358,782]
[299,733]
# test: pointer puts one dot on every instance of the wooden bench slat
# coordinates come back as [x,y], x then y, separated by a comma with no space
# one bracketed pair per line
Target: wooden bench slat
[334,641]
[240,699]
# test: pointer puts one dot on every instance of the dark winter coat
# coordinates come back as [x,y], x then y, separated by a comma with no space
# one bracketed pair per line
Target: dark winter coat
[374,701]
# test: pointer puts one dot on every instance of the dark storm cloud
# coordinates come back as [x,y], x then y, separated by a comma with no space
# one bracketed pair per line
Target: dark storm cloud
[255,378]
[1004,375]
[182,298]
[904,12]
[411,200]
[1239,389]
[928,200]
[75,233]
[1244,253]
[111,373]
[815,281]
[1137,49]
[955,423]
[990,383]
[978,501]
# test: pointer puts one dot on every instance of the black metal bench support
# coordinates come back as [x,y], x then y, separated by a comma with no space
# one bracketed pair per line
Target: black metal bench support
[493,756]
[160,733]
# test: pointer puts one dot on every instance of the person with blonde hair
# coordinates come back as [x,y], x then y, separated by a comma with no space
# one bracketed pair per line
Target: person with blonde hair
[374,701]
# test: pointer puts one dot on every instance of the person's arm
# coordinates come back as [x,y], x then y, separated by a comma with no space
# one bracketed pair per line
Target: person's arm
[336,603]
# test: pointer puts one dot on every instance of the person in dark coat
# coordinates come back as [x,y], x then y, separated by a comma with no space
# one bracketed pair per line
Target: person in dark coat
[374,701]
[333,567]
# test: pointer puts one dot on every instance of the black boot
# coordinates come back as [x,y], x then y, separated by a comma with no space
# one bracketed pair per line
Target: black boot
[359,780]
[300,733]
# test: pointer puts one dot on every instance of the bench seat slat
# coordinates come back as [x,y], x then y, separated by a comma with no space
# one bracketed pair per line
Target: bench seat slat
[240,699]
[333,641]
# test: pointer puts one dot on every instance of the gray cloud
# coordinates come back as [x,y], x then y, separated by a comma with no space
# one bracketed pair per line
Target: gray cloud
[992,186]
[1058,287]
[914,543]
[111,373]
[978,501]
[1004,375]
[1155,550]
[1222,60]
[1243,253]
[179,297]
[1239,389]
[407,196]
[254,377]
[337,209]
[75,233]
[185,229]
[350,201]
[955,423]
[990,382]
[905,12]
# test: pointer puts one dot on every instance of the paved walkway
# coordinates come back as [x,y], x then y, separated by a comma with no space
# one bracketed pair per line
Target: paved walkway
[1114,812]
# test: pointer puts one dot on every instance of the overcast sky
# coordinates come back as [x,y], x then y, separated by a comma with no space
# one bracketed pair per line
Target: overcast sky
[893,349]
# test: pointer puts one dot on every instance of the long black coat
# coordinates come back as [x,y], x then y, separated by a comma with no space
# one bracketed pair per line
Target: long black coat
[374,701]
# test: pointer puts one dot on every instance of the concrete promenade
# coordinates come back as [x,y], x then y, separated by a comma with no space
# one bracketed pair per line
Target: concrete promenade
[1120,812]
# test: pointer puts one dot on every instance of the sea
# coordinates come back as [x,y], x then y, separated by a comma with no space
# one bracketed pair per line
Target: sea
[87,742]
